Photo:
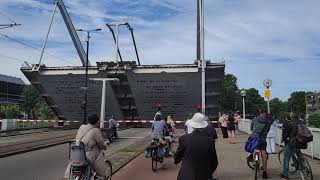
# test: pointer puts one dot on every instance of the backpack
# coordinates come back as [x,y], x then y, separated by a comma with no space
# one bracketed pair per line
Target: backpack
[304,135]
[252,143]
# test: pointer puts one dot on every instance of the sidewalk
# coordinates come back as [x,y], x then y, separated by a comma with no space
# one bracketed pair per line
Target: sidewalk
[232,165]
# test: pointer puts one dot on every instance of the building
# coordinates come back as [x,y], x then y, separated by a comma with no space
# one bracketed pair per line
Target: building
[312,103]
[10,90]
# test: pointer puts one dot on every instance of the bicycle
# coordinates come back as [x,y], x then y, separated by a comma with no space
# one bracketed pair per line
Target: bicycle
[80,167]
[256,162]
[297,163]
[156,156]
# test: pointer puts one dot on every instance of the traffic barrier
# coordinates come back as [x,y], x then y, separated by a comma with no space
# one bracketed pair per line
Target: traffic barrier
[119,121]
[313,147]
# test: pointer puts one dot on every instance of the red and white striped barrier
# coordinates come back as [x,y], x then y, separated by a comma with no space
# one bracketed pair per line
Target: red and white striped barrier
[119,121]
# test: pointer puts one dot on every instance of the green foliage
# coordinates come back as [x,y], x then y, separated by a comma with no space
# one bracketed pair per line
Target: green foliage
[253,101]
[230,93]
[314,120]
[281,116]
[43,110]
[32,98]
[279,108]
[35,105]
[9,111]
[296,102]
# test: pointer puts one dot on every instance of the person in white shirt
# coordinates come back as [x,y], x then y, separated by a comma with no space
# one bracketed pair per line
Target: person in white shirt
[189,129]
[271,136]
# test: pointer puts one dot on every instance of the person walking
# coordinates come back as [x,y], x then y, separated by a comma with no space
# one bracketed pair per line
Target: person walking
[289,133]
[113,124]
[231,128]
[260,125]
[211,132]
[188,128]
[223,124]
[237,119]
[197,152]
[271,138]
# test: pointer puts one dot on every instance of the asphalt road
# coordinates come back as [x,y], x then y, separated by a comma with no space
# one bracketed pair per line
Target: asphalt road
[50,163]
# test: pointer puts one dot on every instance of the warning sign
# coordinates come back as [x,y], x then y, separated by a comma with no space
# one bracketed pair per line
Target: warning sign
[267,93]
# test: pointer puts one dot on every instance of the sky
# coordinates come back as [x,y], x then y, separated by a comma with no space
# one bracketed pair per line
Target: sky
[257,39]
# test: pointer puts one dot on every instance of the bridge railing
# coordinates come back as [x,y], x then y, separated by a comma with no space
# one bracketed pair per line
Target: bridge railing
[313,147]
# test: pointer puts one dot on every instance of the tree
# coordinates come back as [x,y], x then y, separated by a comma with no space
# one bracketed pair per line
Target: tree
[279,108]
[31,99]
[230,94]
[35,105]
[253,101]
[296,103]
[43,110]
[314,120]
[9,111]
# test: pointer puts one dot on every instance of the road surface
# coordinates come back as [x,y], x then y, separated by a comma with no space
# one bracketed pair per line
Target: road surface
[50,163]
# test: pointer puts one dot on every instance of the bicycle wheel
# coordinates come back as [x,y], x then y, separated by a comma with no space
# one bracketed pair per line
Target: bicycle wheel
[250,162]
[306,171]
[154,160]
[108,170]
[292,163]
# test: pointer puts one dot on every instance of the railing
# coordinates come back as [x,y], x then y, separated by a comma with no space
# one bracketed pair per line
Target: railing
[313,147]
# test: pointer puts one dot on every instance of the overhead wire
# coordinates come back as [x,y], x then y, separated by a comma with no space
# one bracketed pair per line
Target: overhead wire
[32,47]
[13,58]
[7,17]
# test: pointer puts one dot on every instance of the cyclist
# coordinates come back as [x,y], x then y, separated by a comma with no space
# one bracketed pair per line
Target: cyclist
[260,126]
[289,132]
[94,146]
[158,129]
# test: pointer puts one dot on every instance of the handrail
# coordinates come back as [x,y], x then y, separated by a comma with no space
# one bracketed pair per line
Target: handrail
[313,149]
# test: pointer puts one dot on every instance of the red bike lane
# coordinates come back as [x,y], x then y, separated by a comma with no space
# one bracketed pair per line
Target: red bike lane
[140,169]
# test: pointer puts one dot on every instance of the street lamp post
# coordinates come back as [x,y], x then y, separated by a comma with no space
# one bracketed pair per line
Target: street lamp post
[243,94]
[117,24]
[85,89]
[103,97]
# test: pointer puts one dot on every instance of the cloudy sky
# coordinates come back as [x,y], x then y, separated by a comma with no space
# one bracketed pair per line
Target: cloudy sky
[258,39]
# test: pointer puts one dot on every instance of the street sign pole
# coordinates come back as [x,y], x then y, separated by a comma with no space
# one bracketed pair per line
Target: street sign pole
[267,83]
[268,104]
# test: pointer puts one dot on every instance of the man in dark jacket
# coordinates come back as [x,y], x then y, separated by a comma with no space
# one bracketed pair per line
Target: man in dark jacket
[289,133]
[260,125]
[197,152]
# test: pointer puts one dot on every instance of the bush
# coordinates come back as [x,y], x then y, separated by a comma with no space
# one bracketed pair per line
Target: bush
[9,111]
[314,120]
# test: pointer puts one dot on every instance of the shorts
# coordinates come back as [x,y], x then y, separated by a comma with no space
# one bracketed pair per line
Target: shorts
[263,145]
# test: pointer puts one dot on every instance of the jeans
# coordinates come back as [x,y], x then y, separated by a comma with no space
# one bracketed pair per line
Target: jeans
[288,151]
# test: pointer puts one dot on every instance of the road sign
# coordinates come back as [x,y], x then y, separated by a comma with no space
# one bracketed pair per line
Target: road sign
[267,93]
[267,83]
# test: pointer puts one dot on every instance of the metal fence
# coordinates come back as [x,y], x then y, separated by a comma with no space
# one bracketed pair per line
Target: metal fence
[313,147]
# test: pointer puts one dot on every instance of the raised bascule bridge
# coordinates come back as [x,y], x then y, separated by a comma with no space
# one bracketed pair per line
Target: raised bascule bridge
[177,87]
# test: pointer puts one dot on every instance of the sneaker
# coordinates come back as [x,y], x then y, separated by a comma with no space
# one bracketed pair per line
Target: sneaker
[265,175]
[284,177]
